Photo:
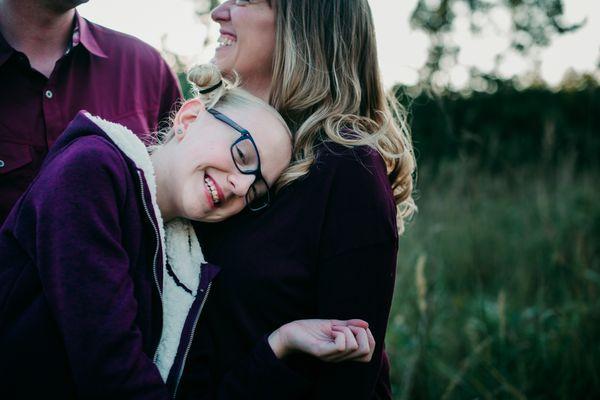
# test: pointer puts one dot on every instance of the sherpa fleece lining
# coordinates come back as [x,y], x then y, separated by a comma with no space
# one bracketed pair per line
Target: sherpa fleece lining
[183,252]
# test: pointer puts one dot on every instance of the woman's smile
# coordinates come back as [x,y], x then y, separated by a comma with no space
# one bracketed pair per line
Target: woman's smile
[226,39]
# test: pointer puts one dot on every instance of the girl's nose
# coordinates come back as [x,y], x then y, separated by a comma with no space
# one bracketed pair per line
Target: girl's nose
[221,12]
[240,183]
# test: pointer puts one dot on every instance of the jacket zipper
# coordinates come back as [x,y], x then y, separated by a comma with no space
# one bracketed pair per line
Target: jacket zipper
[157,235]
[189,345]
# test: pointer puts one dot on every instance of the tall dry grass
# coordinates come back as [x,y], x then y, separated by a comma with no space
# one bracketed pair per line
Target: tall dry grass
[498,285]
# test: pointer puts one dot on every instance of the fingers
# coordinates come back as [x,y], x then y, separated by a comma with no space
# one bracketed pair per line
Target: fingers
[354,322]
[350,344]
[348,340]
[371,341]
[364,352]
[359,323]
[364,348]
[366,345]
[340,342]
[330,350]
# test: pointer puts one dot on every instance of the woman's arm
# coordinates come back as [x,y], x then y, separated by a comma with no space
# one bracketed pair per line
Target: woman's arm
[356,267]
[84,271]
[365,290]
[264,373]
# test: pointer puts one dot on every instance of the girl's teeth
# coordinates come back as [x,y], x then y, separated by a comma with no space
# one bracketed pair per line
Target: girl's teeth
[212,190]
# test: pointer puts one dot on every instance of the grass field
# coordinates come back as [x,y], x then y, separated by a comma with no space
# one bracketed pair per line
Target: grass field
[497,287]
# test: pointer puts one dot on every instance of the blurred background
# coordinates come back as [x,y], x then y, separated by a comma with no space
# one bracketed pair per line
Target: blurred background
[498,279]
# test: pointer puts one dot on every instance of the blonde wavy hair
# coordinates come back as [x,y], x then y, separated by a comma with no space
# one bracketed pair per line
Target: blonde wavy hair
[326,83]
[215,91]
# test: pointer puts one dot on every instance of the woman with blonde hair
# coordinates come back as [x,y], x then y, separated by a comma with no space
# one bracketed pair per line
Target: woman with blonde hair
[327,245]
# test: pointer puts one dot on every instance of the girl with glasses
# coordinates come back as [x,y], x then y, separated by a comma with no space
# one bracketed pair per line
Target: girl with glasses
[102,278]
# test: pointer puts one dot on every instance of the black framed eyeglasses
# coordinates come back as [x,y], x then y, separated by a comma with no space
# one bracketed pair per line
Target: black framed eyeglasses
[247,160]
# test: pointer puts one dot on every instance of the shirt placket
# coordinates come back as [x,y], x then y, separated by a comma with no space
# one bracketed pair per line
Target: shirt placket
[52,101]
[51,108]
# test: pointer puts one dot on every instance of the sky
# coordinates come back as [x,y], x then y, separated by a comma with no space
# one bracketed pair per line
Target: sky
[402,50]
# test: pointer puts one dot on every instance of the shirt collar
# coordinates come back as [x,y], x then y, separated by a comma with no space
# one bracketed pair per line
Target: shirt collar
[81,35]
[86,37]
[74,37]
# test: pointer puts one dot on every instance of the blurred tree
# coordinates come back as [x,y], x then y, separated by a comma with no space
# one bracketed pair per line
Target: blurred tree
[203,7]
[533,24]
[181,64]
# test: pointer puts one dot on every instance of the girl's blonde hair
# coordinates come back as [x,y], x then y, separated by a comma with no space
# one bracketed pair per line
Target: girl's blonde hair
[215,91]
[327,86]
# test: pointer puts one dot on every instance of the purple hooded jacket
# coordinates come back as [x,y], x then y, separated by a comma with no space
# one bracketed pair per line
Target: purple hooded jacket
[81,278]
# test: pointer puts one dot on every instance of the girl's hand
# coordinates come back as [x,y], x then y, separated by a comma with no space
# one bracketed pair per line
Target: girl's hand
[328,340]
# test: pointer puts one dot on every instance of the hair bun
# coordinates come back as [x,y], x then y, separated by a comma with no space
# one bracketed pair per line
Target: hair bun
[207,82]
[204,76]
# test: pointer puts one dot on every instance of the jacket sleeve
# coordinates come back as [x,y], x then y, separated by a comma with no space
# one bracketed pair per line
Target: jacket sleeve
[84,271]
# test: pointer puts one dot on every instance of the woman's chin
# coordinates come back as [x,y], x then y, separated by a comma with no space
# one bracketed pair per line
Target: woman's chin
[222,62]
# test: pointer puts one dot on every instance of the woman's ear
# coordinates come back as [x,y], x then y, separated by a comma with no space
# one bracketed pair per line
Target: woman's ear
[187,114]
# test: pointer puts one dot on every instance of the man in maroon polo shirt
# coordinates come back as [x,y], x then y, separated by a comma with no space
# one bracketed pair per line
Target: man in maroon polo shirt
[54,63]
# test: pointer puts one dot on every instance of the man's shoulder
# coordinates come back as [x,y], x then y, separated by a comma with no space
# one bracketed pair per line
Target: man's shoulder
[116,43]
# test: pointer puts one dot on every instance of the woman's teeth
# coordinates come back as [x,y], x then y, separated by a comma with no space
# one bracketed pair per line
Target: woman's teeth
[212,190]
[225,41]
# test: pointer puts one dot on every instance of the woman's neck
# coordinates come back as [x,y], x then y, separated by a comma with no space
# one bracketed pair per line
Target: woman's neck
[260,88]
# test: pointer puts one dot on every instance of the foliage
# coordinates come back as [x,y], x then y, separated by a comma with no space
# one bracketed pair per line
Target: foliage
[533,25]
[498,281]
[498,285]
[502,127]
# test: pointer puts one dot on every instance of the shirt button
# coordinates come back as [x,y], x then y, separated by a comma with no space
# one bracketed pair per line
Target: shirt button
[1,163]
[48,94]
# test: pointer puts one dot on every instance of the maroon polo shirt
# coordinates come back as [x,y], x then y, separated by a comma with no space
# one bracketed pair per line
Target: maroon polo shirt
[108,73]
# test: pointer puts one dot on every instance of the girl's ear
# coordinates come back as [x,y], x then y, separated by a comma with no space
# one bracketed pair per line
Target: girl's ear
[187,114]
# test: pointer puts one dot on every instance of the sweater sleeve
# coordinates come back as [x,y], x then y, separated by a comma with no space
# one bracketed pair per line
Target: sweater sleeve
[84,271]
[356,268]
[258,375]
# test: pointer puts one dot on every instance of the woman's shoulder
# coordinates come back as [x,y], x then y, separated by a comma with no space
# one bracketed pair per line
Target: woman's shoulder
[359,197]
[357,175]
[352,164]
[361,159]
